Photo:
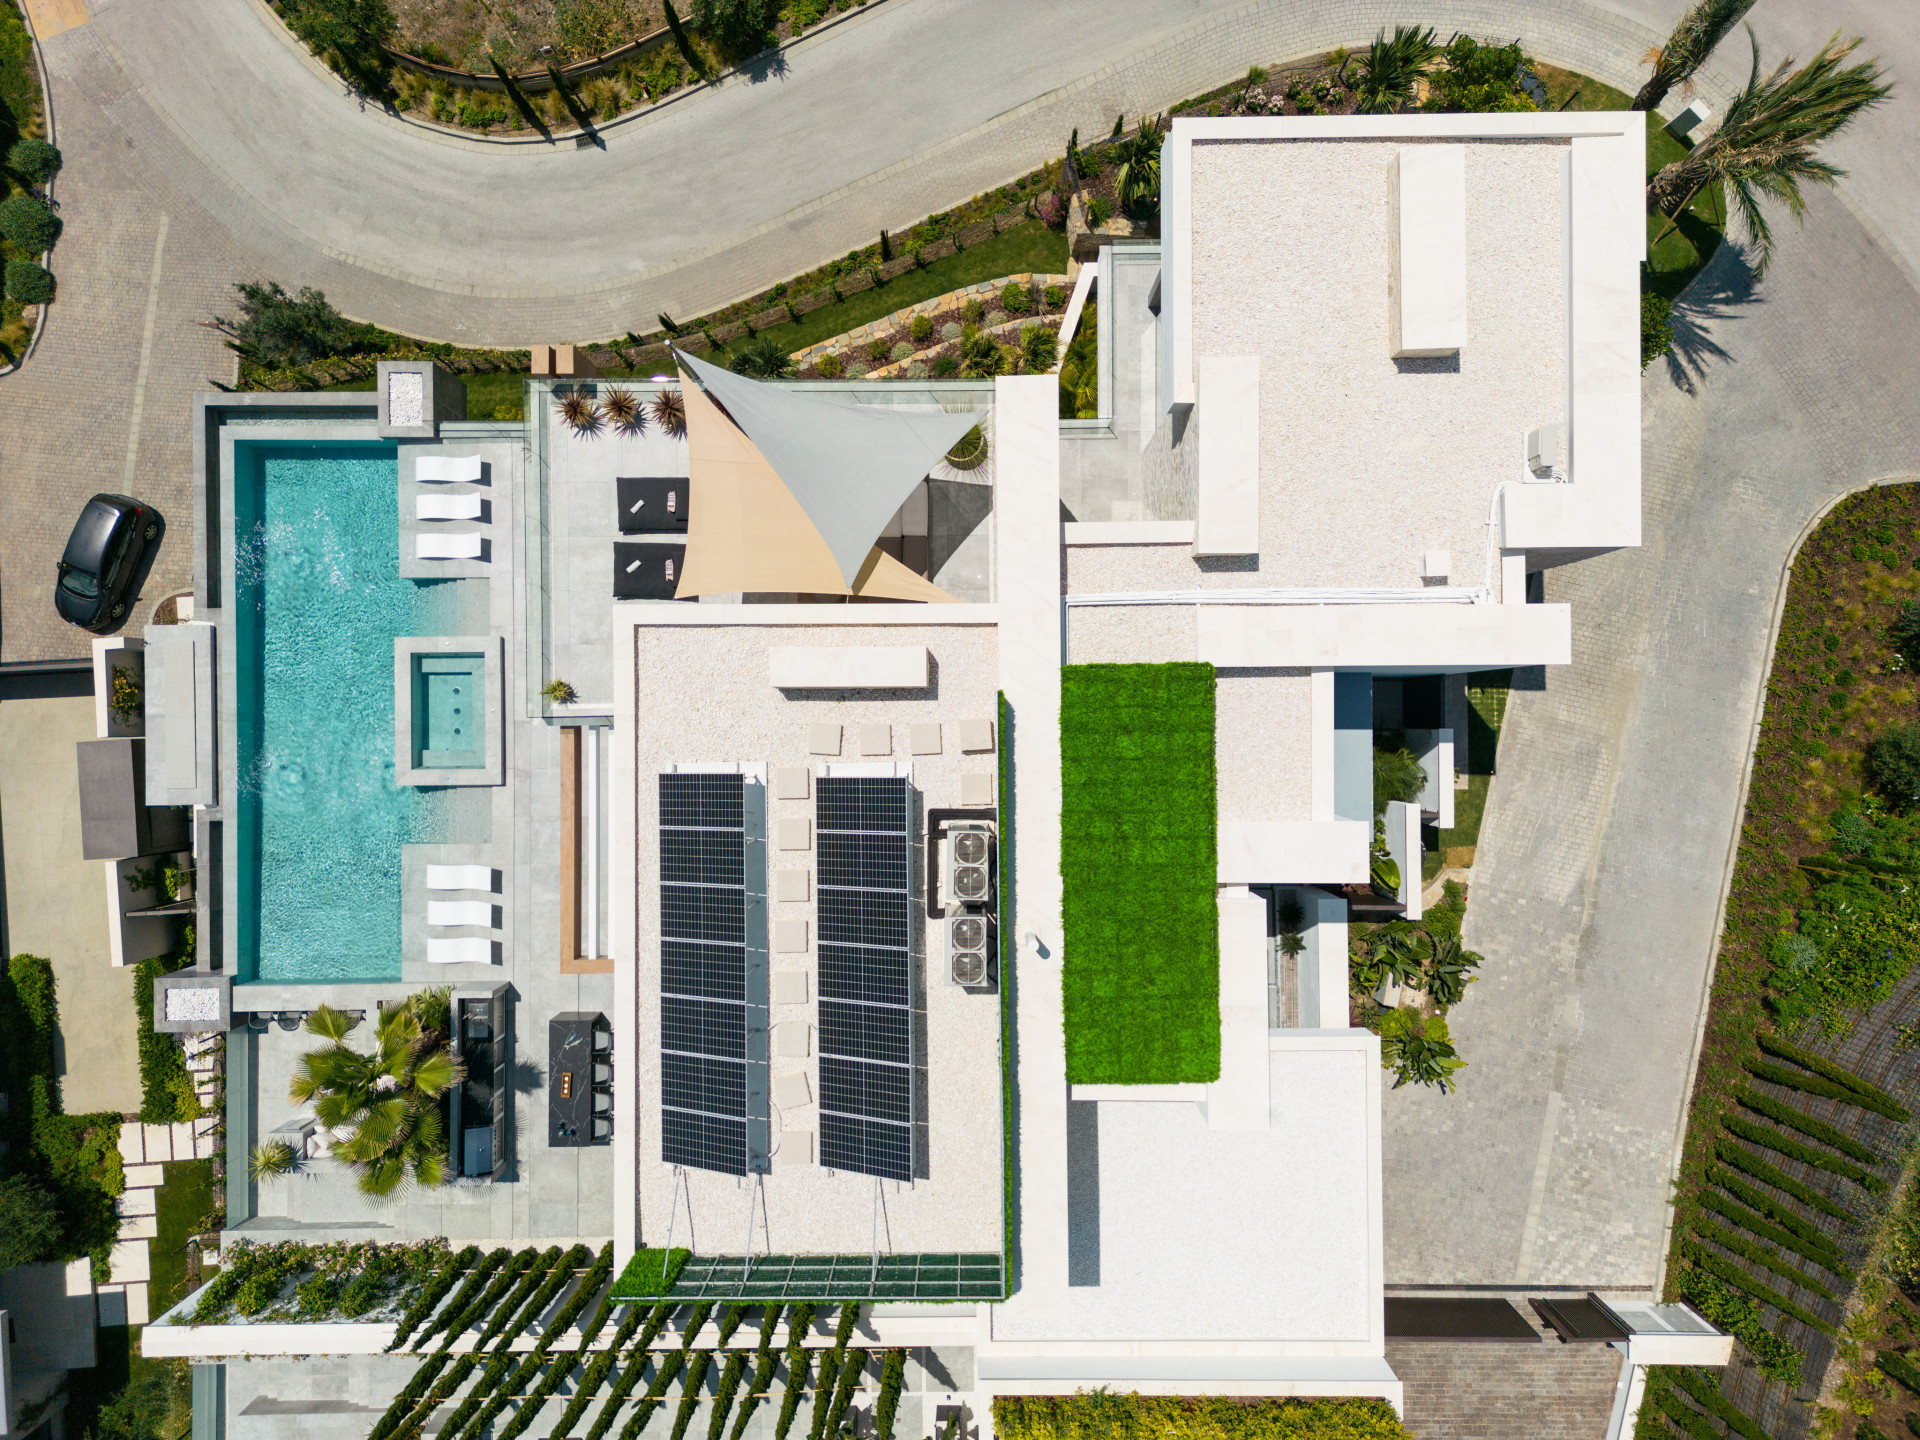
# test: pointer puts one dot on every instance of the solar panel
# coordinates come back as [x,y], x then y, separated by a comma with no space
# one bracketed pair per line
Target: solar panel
[865,852]
[713,973]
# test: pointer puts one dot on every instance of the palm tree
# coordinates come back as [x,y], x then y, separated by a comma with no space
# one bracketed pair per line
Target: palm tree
[1764,145]
[1137,181]
[389,1100]
[1692,39]
[1391,67]
[764,358]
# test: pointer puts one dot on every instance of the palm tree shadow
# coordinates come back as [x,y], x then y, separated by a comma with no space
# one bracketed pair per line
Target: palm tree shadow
[1721,291]
[769,64]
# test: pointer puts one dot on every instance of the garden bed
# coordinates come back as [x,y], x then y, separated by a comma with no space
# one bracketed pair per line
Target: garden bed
[1104,1415]
[932,342]
[1787,1188]
[22,117]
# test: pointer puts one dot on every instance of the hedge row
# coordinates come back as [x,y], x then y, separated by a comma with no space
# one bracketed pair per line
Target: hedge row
[602,1363]
[1733,1275]
[590,1285]
[1760,1256]
[1798,1120]
[1813,1085]
[475,1282]
[433,1293]
[1705,1390]
[1884,1103]
[1785,1239]
[166,1089]
[1104,1415]
[697,1363]
[1782,1215]
[1899,1367]
[1739,1315]
[1782,1143]
[1744,1159]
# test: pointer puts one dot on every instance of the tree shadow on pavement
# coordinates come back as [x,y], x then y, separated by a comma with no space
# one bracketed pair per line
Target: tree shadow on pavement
[769,64]
[1719,292]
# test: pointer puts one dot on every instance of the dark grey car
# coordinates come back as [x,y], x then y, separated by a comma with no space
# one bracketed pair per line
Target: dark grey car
[110,540]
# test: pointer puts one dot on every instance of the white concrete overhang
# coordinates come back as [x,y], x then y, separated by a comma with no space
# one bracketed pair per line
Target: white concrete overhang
[1376,637]
[1293,852]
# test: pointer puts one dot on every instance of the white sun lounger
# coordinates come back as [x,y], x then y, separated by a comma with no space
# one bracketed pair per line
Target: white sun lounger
[446,547]
[460,877]
[446,469]
[460,952]
[460,912]
[446,507]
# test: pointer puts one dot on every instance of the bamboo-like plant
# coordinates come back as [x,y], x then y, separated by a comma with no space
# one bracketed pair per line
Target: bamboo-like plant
[1391,67]
[670,413]
[1763,148]
[623,410]
[388,1101]
[1691,40]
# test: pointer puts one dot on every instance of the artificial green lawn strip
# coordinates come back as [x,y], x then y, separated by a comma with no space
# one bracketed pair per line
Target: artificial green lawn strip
[1141,964]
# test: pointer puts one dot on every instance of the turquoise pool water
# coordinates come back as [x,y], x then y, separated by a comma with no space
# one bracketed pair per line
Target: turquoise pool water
[319,600]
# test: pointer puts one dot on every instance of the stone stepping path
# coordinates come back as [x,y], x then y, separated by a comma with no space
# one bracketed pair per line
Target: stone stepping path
[144,1150]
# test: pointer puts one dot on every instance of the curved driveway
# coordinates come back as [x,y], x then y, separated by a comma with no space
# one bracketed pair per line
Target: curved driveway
[202,150]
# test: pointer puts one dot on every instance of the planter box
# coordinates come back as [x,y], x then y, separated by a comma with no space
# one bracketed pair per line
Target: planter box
[767,319]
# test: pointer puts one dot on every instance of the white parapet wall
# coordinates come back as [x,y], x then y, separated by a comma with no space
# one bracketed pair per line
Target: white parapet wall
[1227,504]
[1379,637]
[1292,852]
[1426,250]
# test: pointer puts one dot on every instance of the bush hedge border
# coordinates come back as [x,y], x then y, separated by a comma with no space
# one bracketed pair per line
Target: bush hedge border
[1794,1119]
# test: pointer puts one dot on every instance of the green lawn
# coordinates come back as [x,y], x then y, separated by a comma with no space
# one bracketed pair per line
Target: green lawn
[1141,966]
[1685,250]
[1486,708]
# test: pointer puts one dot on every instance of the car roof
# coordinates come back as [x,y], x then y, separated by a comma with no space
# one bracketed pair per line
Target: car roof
[86,547]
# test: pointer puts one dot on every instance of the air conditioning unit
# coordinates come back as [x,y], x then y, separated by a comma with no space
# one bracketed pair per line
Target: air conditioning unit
[969,949]
[966,866]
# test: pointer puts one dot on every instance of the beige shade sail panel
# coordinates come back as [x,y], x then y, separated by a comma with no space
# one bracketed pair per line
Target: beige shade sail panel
[884,578]
[747,532]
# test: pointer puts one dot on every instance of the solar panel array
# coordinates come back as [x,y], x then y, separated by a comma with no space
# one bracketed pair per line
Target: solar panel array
[866,975]
[713,982]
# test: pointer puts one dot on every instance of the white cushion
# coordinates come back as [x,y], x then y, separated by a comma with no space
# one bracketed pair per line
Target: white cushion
[460,877]
[446,469]
[446,547]
[446,507]
[460,952]
[460,912]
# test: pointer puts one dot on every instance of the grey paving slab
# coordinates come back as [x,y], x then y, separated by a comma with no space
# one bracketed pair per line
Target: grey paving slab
[1600,869]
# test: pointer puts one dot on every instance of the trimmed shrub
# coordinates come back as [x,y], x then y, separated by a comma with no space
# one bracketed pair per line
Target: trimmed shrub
[670,1365]
[1806,1125]
[1656,327]
[162,1067]
[1782,1143]
[799,1363]
[1893,764]
[1054,296]
[723,1394]
[29,283]
[1745,1160]
[29,1223]
[1104,1415]
[1899,1367]
[1813,1085]
[892,1379]
[1807,1060]
[1740,1280]
[36,161]
[945,367]
[476,1280]
[1015,300]
[823,1390]
[829,366]
[1782,1215]
[921,329]
[1759,1255]
[877,350]
[29,224]
[432,1293]
[1765,1230]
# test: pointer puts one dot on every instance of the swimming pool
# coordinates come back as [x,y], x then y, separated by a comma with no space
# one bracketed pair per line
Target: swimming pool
[318,601]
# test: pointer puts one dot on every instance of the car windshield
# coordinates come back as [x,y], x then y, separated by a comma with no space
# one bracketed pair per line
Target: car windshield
[78,582]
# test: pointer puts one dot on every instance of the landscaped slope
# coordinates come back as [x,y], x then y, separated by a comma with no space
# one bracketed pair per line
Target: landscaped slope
[1141,970]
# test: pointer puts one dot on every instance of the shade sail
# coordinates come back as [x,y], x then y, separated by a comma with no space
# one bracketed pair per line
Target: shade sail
[745,531]
[850,467]
[884,578]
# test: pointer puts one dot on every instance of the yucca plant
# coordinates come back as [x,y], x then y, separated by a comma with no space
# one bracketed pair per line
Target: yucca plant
[1137,181]
[387,1101]
[1450,970]
[1691,40]
[1390,68]
[762,358]
[1763,148]
[980,357]
[580,411]
[623,410]
[670,413]
[272,1160]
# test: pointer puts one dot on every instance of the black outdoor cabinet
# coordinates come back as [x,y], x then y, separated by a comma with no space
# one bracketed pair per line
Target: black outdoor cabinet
[579,1079]
[483,1100]
[652,505]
